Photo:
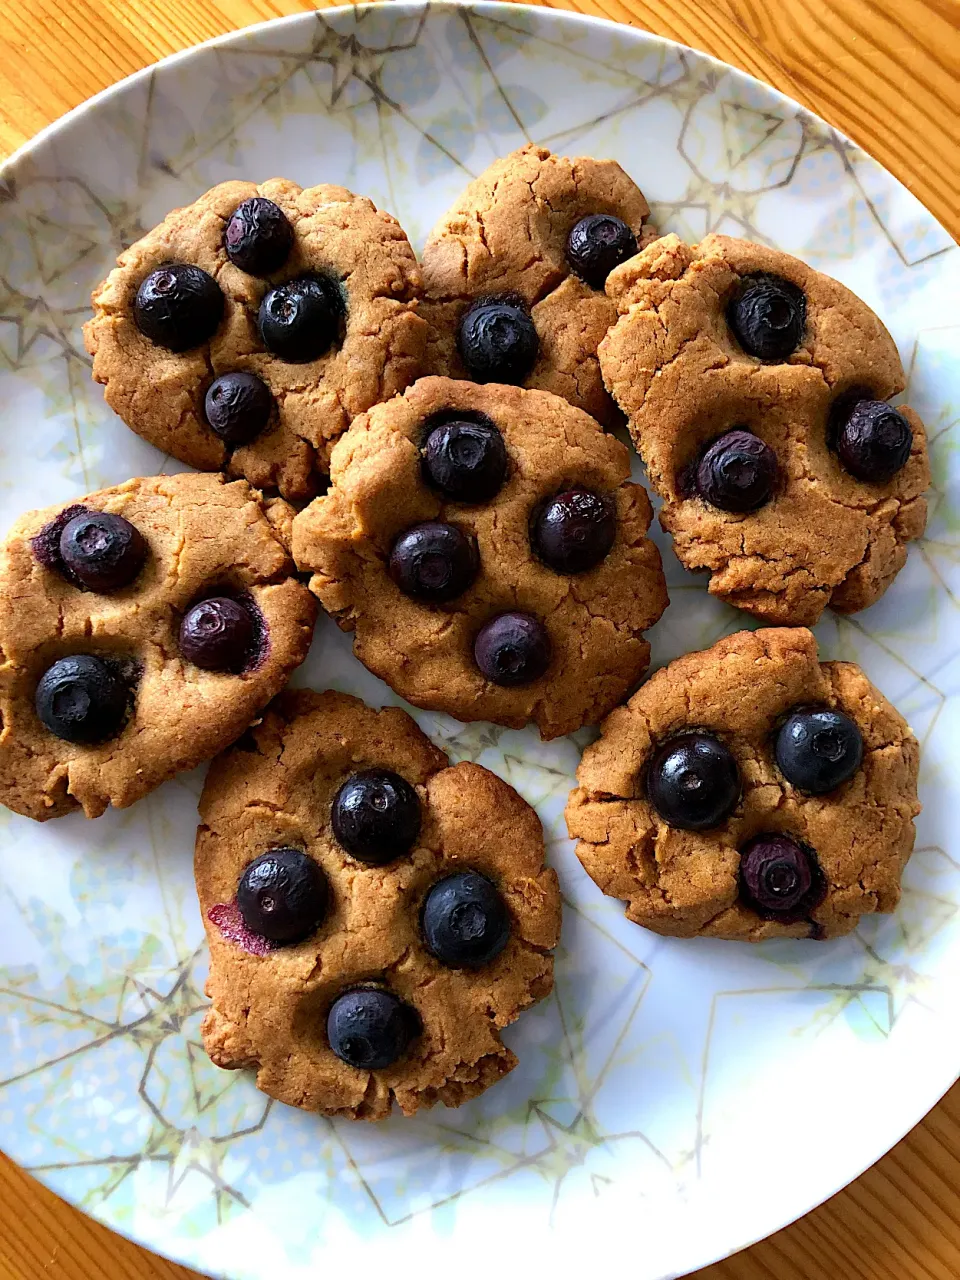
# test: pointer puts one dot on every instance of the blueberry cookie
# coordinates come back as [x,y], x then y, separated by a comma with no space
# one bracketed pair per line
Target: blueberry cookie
[750,792]
[143,628]
[756,390]
[489,551]
[514,274]
[375,916]
[247,330]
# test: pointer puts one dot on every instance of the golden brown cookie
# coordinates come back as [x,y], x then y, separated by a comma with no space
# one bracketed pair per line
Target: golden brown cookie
[377,351]
[780,860]
[136,711]
[823,536]
[506,237]
[591,621]
[368,923]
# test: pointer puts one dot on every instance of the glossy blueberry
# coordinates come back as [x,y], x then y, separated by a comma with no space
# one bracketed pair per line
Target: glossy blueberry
[465,921]
[738,472]
[282,895]
[300,320]
[376,816]
[82,699]
[768,316]
[512,649]
[237,407]
[466,461]
[818,748]
[258,238]
[102,552]
[434,561]
[178,306]
[574,531]
[693,781]
[872,440]
[780,879]
[498,341]
[597,244]
[370,1028]
[218,634]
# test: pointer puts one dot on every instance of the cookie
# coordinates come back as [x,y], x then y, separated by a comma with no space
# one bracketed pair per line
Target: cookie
[143,628]
[536,233]
[375,916]
[248,329]
[750,792]
[490,553]
[755,389]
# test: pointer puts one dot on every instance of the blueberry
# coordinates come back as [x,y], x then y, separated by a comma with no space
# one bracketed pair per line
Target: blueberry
[434,561]
[498,341]
[768,316]
[574,531]
[780,879]
[282,895]
[370,1029]
[102,552]
[693,781]
[300,320]
[258,238]
[466,461]
[82,699]
[178,306]
[376,816]
[597,244]
[512,649]
[465,921]
[817,749]
[218,634]
[738,472]
[872,439]
[237,407]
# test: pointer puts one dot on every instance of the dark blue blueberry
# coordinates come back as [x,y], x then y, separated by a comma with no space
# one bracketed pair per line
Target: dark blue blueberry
[434,561]
[465,921]
[237,407]
[258,238]
[102,552]
[82,699]
[376,816]
[466,461]
[597,244]
[370,1028]
[738,472]
[498,341]
[218,634]
[872,440]
[768,316]
[512,649]
[693,781]
[300,320]
[178,306]
[283,895]
[574,531]
[818,748]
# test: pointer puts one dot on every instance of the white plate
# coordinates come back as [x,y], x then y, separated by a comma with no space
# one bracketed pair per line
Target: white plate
[674,1100]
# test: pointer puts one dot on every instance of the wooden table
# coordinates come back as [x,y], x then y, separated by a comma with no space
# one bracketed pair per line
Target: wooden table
[885,71]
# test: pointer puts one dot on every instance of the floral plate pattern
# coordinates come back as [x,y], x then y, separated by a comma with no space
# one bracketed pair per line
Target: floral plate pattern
[674,1100]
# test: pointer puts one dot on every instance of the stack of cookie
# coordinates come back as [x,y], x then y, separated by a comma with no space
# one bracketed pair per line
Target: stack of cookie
[428,446]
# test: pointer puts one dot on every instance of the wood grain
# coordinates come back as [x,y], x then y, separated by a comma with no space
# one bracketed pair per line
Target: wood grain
[887,72]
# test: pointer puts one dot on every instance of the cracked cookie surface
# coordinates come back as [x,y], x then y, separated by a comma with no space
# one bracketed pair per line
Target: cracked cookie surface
[270,1004]
[160,393]
[677,371]
[204,537]
[686,883]
[507,235]
[594,620]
